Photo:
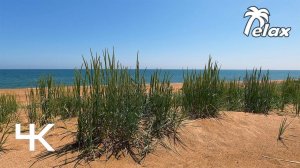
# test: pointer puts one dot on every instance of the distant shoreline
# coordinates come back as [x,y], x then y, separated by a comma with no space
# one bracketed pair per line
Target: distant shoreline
[15,79]
[21,92]
[174,84]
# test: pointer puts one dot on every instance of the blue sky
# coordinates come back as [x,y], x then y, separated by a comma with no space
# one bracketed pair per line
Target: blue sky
[167,33]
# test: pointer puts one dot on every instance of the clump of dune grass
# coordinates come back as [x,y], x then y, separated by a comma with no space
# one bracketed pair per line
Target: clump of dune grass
[288,91]
[8,109]
[297,102]
[32,106]
[65,102]
[282,128]
[291,93]
[4,133]
[234,95]
[46,92]
[49,101]
[109,120]
[41,101]
[202,92]
[296,97]
[162,114]
[116,112]
[258,92]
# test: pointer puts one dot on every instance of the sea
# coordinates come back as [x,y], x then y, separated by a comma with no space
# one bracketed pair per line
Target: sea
[25,78]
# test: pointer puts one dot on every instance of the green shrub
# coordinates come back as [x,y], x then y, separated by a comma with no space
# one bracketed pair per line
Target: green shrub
[202,92]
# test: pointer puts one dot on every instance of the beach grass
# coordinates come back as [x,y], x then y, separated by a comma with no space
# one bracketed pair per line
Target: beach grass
[8,109]
[162,107]
[282,128]
[4,133]
[290,93]
[108,122]
[49,101]
[118,114]
[32,106]
[234,95]
[202,92]
[259,92]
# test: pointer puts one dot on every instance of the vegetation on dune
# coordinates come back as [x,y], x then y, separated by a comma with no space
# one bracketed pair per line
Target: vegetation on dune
[4,133]
[111,108]
[290,93]
[50,100]
[32,106]
[202,92]
[117,114]
[282,128]
[259,92]
[234,95]
[8,109]
[162,115]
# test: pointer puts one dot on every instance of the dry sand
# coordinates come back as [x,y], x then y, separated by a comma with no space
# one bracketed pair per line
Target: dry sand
[235,139]
[21,93]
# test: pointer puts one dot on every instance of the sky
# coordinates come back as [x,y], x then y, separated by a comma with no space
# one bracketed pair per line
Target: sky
[168,34]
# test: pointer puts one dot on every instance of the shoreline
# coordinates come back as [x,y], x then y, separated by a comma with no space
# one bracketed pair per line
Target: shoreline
[174,84]
[20,93]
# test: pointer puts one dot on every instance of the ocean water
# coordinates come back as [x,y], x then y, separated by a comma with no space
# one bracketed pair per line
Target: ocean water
[21,78]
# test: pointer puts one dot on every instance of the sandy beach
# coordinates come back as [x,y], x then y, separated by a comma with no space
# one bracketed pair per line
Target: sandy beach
[21,93]
[149,84]
[235,139]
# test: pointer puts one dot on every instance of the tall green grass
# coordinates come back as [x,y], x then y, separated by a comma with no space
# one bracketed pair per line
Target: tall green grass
[259,92]
[297,100]
[108,122]
[202,92]
[291,93]
[234,95]
[32,106]
[46,92]
[8,109]
[162,107]
[65,102]
[282,128]
[117,114]
[49,101]
[4,133]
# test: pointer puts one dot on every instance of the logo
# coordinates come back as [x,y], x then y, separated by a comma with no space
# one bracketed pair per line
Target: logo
[32,137]
[264,29]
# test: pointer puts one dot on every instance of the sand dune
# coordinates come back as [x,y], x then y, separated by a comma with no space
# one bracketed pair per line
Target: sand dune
[235,139]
